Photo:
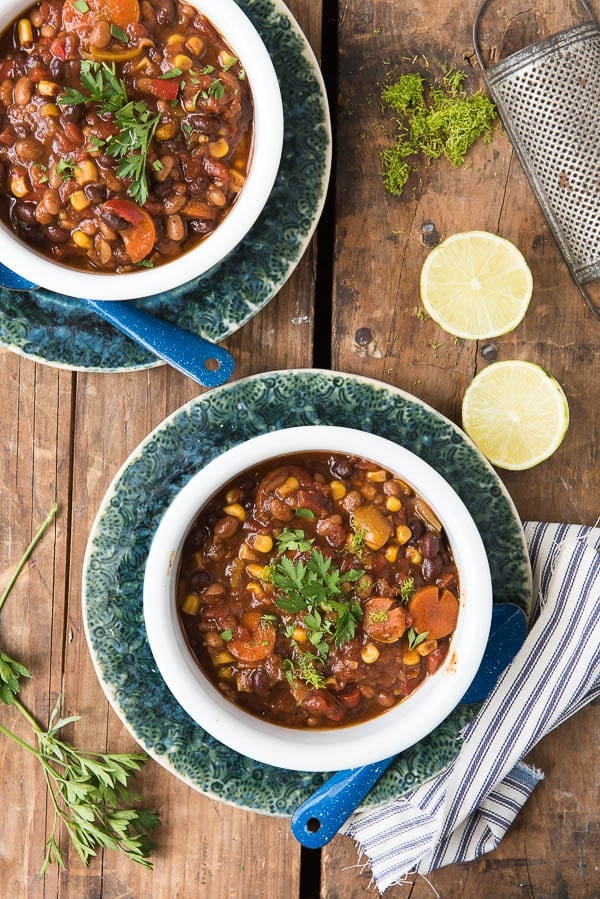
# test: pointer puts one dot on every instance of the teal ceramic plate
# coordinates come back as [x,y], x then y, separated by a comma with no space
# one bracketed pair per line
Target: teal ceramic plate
[137,499]
[60,331]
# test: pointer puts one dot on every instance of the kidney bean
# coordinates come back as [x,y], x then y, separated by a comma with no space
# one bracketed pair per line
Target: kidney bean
[341,468]
[103,250]
[417,527]
[431,568]
[429,544]
[165,13]
[25,212]
[204,124]
[3,172]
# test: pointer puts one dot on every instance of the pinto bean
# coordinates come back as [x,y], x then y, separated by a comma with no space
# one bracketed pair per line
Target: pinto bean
[100,35]
[22,91]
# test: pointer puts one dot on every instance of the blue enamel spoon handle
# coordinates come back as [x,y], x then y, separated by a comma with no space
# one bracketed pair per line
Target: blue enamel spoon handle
[318,819]
[205,362]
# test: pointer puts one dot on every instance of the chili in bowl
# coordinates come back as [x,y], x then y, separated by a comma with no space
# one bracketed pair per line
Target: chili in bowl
[317,598]
[139,141]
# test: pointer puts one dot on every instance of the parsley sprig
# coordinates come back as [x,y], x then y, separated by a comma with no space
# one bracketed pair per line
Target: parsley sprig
[88,791]
[134,119]
[315,586]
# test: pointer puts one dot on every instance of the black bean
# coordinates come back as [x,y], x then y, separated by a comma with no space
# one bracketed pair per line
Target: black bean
[25,212]
[205,124]
[162,189]
[75,114]
[199,580]
[57,69]
[201,226]
[342,468]
[113,220]
[3,171]
[417,527]
[198,186]
[57,234]
[97,193]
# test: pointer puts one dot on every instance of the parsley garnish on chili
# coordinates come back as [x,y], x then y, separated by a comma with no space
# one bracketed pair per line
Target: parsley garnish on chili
[135,121]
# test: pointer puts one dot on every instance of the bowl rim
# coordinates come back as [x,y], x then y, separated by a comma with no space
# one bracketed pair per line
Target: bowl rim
[268,135]
[318,750]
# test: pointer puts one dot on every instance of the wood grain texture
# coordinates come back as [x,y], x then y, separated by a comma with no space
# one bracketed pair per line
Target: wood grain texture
[381,244]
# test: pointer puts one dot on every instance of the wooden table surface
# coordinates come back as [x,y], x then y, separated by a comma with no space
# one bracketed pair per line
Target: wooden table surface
[351,305]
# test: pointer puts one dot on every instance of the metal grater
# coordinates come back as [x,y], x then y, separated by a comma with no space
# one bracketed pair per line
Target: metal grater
[548,97]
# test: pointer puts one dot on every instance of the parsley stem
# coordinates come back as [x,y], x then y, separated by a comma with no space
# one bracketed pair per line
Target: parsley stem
[19,741]
[38,536]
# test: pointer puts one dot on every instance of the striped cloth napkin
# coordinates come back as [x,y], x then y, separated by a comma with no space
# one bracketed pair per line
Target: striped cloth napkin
[465,811]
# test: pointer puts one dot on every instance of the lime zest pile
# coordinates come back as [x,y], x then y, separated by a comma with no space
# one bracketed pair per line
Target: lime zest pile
[436,120]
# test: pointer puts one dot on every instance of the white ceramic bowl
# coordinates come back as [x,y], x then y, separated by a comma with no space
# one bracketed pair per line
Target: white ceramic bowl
[348,746]
[247,45]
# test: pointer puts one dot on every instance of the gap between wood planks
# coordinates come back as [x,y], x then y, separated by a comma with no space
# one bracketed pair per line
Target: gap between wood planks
[310,859]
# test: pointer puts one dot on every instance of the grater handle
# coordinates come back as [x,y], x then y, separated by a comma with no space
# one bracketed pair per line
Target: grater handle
[595,310]
[477,48]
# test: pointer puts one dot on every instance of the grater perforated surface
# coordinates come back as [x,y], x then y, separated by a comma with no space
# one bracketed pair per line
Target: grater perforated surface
[548,97]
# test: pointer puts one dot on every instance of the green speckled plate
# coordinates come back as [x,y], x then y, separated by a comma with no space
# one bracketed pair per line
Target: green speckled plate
[137,499]
[60,331]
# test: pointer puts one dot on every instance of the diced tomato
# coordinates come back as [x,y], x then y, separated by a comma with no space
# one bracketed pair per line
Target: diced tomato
[164,88]
[117,12]
[139,240]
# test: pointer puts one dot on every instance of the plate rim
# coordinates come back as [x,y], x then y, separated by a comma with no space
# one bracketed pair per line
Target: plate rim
[137,453]
[309,55]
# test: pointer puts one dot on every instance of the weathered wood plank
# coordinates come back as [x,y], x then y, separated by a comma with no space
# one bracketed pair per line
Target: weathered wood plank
[381,244]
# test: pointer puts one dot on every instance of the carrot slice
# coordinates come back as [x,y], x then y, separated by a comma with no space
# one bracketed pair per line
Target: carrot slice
[140,238]
[434,612]
[255,639]
[383,620]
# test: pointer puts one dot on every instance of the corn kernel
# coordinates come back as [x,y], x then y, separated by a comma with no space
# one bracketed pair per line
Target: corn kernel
[140,65]
[247,553]
[49,109]
[299,635]
[48,88]
[25,32]
[413,555]
[393,504]
[426,647]
[218,149]
[191,604]
[82,240]
[226,672]
[378,477]
[183,62]
[195,45]
[226,59]
[391,553]
[255,588]
[86,172]
[288,487]
[189,103]
[369,653]
[411,657]
[233,496]
[79,200]
[255,571]
[262,543]
[403,534]
[222,658]
[338,490]
[166,131]
[236,180]
[236,510]
[19,187]
[197,562]
[175,39]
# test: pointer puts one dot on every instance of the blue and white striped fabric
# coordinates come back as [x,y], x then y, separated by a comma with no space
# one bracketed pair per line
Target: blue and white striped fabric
[465,811]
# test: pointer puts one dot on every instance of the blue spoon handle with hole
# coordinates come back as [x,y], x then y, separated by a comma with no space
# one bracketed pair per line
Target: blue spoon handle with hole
[188,353]
[317,820]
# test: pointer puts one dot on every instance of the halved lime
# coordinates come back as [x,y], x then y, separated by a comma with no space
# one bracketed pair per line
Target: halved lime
[476,285]
[516,413]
